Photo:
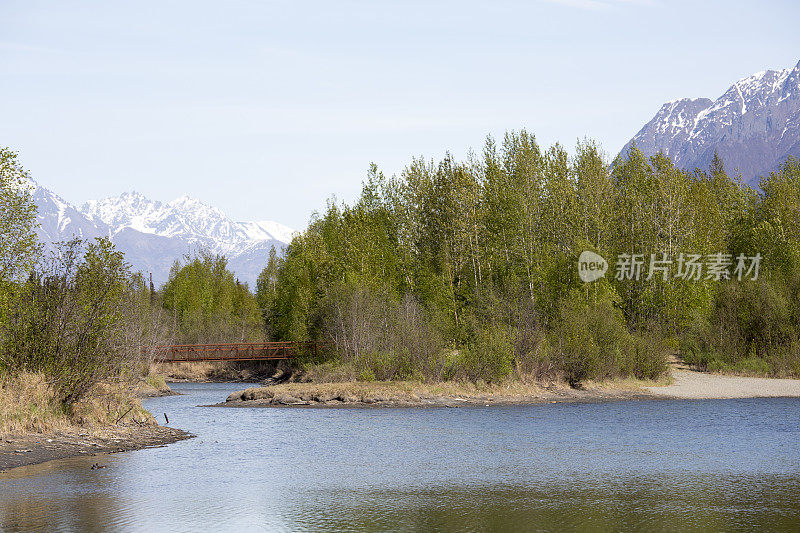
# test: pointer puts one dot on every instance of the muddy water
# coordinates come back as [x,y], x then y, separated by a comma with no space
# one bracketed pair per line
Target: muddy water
[707,465]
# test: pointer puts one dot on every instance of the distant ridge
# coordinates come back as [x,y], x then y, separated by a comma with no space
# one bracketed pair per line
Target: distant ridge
[154,234]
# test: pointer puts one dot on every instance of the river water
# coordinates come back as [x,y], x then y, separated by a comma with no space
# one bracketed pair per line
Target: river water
[709,465]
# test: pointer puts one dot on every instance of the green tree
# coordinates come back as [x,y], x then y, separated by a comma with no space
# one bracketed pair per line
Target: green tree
[18,244]
[69,318]
[208,304]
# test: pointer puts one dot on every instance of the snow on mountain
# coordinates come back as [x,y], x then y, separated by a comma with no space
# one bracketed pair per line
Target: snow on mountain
[129,209]
[154,234]
[60,221]
[754,126]
[268,230]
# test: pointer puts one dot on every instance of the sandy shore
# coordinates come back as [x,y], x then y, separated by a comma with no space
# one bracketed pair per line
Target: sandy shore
[690,385]
[29,449]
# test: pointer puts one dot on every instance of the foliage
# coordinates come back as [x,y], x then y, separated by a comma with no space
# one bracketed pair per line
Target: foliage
[489,245]
[208,304]
[18,245]
[592,342]
[754,326]
[73,324]
[490,357]
[68,319]
[380,337]
[266,290]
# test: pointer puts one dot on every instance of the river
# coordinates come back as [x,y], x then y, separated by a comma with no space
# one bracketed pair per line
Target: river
[659,465]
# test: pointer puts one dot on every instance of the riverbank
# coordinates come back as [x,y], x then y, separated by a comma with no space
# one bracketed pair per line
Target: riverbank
[684,383]
[445,394]
[215,371]
[36,426]
[28,449]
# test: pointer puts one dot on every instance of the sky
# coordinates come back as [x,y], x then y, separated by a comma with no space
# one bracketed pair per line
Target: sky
[266,109]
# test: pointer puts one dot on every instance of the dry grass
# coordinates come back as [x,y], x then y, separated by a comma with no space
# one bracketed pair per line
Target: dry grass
[200,371]
[214,370]
[413,391]
[29,404]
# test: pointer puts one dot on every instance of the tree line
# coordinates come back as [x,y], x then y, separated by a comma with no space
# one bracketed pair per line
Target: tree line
[450,270]
[468,269]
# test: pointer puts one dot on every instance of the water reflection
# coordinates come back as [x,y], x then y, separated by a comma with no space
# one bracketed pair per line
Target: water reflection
[637,466]
[70,508]
[701,505]
[697,504]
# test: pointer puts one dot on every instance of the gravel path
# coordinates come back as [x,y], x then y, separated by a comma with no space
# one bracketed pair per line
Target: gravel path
[688,384]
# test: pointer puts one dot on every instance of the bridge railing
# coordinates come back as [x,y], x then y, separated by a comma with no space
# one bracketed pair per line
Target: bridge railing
[241,351]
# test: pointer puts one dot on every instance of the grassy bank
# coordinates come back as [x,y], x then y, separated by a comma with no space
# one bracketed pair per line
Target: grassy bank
[448,393]
[30,404]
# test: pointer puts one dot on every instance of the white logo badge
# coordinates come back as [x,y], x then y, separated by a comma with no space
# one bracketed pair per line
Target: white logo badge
[591,266]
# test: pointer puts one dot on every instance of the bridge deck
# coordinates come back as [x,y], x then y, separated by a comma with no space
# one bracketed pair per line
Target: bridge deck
[253,351]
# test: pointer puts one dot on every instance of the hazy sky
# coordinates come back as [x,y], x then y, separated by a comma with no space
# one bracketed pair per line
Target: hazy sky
[265,109]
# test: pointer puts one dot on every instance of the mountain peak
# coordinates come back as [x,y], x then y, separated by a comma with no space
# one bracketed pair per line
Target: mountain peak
[185,199]
[753,126]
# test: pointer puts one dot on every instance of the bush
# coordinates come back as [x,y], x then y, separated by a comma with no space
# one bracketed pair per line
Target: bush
[784,360]
[68,319]
[384,365]
[383,338]
[752,329]
[491,356]
[751,317]
[753,366]
[591,341]
[648,360]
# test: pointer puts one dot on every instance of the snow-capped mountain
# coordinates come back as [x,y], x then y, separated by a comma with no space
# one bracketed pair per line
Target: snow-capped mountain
[184,217]
[59,220]
[754,126]
[154,234]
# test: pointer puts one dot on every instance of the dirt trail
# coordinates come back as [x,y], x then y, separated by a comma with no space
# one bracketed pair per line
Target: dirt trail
[692,385]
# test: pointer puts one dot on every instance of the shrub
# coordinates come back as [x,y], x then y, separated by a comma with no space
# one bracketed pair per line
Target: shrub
[392,339]
[68,319]
[751,317]
[648,359]
[753,365]
[591,341]
[751,329]
[491,356]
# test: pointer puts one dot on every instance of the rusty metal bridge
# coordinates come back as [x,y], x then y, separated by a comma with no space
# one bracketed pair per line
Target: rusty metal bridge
[254,351]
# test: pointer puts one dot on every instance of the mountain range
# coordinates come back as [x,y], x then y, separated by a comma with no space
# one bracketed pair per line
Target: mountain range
[153,234]
[754,126]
